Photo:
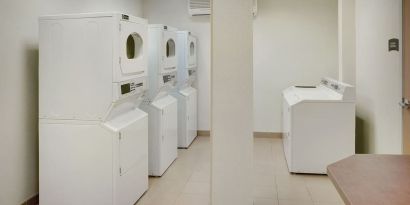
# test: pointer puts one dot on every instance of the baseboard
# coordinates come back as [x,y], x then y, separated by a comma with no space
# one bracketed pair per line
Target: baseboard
[275,135]
[32,201]
[203,133]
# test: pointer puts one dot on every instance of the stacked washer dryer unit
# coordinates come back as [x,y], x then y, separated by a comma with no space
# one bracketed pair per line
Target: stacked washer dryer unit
[162,107]
[93,138]
[185,91]
[318,125]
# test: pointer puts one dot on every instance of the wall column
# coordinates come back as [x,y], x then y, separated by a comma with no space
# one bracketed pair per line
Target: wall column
[231,102]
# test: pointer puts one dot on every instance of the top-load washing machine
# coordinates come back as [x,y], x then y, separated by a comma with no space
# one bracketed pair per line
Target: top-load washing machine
[162,107]
[93,137]
[318,125]
[185,91]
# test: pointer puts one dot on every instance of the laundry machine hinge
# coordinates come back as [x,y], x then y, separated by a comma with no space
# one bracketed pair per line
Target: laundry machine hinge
[119,27]
[120,171]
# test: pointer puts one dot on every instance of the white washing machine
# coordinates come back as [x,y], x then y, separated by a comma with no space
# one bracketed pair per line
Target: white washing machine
[160,105]
[318,125]
[93,137]
[185,91]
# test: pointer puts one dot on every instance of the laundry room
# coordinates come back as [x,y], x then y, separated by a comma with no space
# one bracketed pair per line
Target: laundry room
[199,102]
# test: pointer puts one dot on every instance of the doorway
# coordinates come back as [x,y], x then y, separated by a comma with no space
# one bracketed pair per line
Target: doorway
[379,75]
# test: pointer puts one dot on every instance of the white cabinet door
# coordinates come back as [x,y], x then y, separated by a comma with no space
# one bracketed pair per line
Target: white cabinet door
[133,158]
[133,145]
[169,136]
[192,107]
[286,113]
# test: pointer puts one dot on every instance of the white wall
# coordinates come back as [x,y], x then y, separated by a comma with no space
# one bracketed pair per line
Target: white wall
[295,42]
[378,76]
[347,41]
[175,13]
[19,90]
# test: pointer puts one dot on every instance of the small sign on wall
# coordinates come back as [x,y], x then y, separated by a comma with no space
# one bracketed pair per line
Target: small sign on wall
[394,44]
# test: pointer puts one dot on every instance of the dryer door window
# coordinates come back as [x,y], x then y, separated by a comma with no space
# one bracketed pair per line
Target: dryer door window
[169,52]
[192,52]
[170,48]
[192,49]
[133,48]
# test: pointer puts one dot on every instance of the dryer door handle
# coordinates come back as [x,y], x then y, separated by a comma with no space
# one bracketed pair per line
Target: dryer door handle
[405,103]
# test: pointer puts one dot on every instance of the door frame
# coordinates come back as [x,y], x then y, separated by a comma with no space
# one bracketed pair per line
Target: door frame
[406,75]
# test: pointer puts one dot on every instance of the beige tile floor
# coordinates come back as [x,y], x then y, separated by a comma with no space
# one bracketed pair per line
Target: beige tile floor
[187,181]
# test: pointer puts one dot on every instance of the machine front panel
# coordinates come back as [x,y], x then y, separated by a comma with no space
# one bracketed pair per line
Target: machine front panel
[167,81]
[133,48]
[169,51]
[134,87]
[75,68]
[133,143]
[192,124]
[170,136]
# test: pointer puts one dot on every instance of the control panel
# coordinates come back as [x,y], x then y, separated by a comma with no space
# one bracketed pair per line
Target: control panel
[191,72]
[333,84]
[130,88]
[168,78]
[346,90]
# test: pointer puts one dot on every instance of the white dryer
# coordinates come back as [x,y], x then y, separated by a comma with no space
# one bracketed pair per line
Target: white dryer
[93,137]
[318,125]
[162,107]
[185,91]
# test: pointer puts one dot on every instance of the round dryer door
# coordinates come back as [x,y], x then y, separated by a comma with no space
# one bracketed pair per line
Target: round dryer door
[169,48]
[133,48]
[192,51]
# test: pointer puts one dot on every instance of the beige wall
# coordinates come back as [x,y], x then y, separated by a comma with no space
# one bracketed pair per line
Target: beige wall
[18,87]
[295,42]
[231,103]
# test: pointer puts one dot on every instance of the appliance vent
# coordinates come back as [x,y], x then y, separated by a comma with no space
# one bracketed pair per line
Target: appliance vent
[203,7]
[199,7]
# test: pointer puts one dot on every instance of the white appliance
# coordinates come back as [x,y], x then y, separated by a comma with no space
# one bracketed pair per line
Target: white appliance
[185,91]
[93,138]
[318,125]
[162,107]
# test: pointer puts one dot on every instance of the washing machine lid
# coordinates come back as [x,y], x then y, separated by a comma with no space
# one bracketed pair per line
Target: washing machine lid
[122,121]
[327,91]
[187,91]
[316,93]
[297,94]
[163,102]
